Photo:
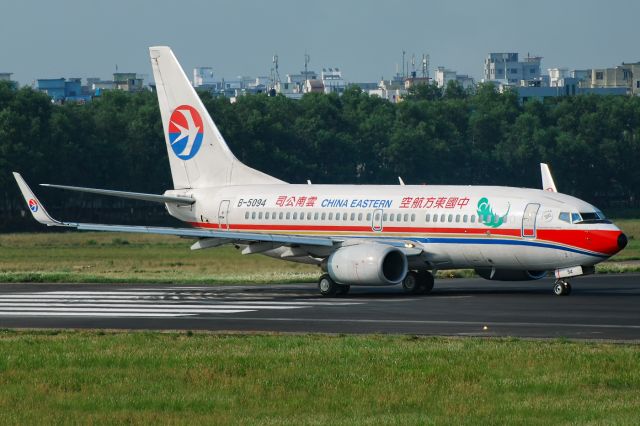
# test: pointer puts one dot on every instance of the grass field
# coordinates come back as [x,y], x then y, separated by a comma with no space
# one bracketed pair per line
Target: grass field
[194,378]
[108,257]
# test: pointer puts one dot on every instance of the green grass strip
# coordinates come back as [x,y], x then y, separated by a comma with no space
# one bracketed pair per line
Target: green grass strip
[197,378]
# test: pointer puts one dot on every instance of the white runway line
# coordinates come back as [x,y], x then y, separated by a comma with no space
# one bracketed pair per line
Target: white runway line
[146,311]
[140,303]
[94,314]
[38,297]
[73,305]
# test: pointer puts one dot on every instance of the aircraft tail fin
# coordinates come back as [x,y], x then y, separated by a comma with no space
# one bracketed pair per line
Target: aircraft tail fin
[198,154]
[547,180]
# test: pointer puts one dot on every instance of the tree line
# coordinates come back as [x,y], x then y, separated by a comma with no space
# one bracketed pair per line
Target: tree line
[434,136]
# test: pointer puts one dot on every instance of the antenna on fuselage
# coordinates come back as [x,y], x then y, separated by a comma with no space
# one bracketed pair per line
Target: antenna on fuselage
[308,181]
[401,181]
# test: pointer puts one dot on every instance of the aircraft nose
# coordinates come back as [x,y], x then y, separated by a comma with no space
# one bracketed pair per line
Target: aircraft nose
[622,241]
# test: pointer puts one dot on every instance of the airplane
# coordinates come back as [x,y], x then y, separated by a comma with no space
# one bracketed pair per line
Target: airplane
[372,235]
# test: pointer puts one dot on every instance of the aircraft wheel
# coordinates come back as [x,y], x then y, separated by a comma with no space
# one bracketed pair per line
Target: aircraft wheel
[426,282]
[343,289]
[561,288]
[411,283]
[327,286]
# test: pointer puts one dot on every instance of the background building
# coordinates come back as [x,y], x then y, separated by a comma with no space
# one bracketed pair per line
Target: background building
[507,68]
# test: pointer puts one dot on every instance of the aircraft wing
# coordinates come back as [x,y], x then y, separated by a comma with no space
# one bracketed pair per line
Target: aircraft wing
[41,215]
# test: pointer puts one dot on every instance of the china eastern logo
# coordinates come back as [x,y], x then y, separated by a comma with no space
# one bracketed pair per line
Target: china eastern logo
[33,205]
[185,132]
[487,216]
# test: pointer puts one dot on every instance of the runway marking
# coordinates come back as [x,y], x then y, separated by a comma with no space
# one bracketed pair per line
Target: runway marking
[114,304]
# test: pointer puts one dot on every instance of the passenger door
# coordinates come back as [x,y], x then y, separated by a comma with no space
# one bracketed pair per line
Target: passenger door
[223,215]
[529,220]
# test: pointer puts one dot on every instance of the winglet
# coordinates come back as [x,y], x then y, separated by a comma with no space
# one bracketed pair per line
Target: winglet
[547,180]
[35,207]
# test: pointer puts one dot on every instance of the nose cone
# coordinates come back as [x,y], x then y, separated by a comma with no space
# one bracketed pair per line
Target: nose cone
[622,241]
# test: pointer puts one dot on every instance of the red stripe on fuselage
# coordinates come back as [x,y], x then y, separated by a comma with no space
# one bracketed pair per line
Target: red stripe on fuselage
[600,241]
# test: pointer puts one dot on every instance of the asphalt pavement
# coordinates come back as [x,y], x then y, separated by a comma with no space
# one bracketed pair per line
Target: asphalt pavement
[600,307]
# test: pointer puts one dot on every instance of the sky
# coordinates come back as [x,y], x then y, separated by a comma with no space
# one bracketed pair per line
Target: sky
[365,39]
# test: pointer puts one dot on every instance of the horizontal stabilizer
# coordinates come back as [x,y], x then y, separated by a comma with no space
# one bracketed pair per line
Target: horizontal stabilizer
[124,194]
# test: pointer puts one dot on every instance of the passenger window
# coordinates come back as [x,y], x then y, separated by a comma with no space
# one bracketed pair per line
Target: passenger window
[344,216]
[309,216]
[406,217]
[391,217]
[464,218]
[246,215]
[330,216]
[442,216]
[473,218]
[295,215]
[353,217]
[359,217]
[457,218]
[288,215]
[413,217]
[337,216]
[260,215]
[450,218]
[301,215]
[564,216]
[384,217]
[253,215]
[435,217]
[281,215]
[323,216]
[427,218]
[315,216]
[368,216]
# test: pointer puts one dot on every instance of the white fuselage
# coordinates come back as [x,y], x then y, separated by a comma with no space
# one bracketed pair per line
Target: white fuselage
[463,226]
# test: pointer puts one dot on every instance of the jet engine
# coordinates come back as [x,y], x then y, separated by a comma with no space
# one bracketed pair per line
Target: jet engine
[509,274]
[367,264]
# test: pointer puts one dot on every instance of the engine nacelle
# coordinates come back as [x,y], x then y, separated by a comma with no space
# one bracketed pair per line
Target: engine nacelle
[509,274]
[368,264]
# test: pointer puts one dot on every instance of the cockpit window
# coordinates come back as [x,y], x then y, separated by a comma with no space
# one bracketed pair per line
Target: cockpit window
[592,217]
[583,217]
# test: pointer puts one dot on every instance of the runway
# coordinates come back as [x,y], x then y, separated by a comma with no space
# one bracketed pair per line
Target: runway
[600,307]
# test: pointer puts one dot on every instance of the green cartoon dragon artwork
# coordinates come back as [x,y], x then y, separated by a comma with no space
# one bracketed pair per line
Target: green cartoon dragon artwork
[487,216]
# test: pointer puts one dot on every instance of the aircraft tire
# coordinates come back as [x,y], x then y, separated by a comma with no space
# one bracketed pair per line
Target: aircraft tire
[328,287]
[426,282]
[561,288]
[411,283]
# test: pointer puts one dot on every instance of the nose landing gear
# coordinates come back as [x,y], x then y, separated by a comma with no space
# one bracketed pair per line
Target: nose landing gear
[562,288]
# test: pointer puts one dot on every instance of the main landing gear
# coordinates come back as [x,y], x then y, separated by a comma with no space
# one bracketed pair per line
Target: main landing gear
[328,287]
[562,288]
[418,282]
